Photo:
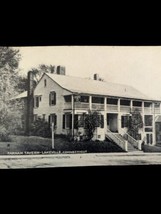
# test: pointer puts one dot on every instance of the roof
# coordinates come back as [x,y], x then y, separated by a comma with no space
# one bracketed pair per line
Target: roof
[22,95]
[95,87]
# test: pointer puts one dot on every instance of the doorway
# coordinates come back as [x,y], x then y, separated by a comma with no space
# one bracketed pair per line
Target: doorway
[158,132]
[149,138]
[112,122]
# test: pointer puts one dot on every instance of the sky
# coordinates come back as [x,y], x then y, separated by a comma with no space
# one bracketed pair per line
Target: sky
[137,66]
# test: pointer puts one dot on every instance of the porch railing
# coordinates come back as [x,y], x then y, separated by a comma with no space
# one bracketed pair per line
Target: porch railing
[126,109]
[147,110]
[97,106]
[112,108]
[114,137]
[137,108]
[130,139]
[81,105]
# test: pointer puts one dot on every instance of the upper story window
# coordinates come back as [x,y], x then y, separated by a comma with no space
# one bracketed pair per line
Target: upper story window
[45,82]
[37,100]
[52,98]
[157,105]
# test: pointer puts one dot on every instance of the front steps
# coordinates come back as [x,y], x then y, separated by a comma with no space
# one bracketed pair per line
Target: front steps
[120,141]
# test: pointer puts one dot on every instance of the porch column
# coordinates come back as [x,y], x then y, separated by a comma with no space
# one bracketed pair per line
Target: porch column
[73,115]
[131,105]
[119,116]
[105,113]
[143,118]
[90,102]
[154,138]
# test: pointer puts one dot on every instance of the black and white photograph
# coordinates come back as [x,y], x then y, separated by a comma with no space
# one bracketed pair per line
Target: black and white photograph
[72,106]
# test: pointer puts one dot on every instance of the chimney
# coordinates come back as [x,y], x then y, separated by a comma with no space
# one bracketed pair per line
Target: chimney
[60,70]
[96,76]
[30,102]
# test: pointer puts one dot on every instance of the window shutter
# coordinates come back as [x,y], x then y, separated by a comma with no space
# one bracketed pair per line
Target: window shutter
[63,121]
[49,120]
[102,121]
[122,121]
[76,121]
[70,121]
[55,119]
[54,98]
[50,99]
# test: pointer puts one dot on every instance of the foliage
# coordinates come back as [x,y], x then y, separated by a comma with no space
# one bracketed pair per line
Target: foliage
[9,112]
[4,134]
[40,128]
[38,72]
[149,148]
[135,123]
[91,121]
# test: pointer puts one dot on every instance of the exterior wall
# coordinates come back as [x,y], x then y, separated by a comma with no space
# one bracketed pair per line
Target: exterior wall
[44,107]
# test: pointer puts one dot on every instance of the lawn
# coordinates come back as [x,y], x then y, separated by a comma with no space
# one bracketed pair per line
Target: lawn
[147,148]
[23,144]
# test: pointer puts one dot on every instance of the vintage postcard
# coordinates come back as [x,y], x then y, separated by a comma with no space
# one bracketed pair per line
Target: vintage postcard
[63,106]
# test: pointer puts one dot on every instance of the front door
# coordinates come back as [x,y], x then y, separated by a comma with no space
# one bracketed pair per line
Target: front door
[112,122]
[158,132]
[149,138]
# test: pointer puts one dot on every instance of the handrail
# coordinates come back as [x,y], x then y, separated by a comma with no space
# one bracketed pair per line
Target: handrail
[129,136]
[120,142]
[115,135]
[134,142]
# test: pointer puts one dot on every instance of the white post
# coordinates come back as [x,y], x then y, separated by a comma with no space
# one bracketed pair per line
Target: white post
[105,115]
[154,138]
[90,102]
[143,117]
[73,111]
[119,116]
[52,131]
[131,105]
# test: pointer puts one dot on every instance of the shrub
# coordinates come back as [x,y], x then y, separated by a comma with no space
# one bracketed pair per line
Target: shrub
[89,146]
[40,128]
[4,134]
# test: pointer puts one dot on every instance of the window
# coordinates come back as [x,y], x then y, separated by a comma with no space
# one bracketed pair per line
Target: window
[157,105]
[125,102]
[68,121]
[112,101]
[63,121]
[148,130]
[45,82]
[36,102]
[148,120]
[98,100]
[52,98]
[124,121]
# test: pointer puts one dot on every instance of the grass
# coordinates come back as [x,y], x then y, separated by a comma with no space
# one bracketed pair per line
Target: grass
[22,144]
[147,148]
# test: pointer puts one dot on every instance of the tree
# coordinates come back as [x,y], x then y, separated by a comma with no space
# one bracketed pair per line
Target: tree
[91,121]
[135,123]
[38,72]
[9,61]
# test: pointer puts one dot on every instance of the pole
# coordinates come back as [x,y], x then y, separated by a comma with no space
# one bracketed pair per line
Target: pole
[52,131]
